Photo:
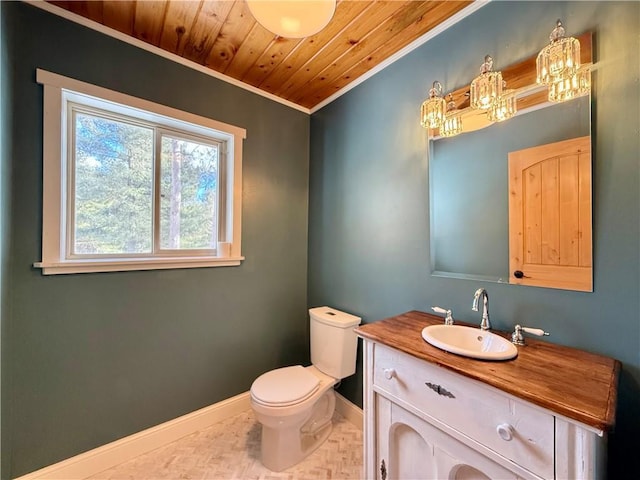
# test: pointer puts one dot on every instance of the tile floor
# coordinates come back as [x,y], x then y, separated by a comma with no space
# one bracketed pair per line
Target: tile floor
[231,450]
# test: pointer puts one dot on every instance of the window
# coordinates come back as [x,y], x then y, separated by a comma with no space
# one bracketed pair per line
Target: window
[133,185]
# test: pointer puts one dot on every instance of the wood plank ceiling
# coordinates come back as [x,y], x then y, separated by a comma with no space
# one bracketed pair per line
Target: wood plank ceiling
[223,35]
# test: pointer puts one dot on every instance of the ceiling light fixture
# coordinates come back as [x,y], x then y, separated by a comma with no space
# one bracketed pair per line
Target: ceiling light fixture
[293,18]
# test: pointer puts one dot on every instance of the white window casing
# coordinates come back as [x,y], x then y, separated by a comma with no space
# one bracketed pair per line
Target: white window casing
[57,257]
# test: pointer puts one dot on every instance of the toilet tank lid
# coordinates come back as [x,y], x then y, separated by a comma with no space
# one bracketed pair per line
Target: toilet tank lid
[336,318]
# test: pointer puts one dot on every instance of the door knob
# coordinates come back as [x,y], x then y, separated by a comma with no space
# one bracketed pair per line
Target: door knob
[520,274]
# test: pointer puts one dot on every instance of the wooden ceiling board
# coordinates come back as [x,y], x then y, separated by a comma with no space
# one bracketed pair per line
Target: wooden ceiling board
[374,51]
[84,9]
[222,35]
[270,60]
[177,25]
[119,15]
[148,21]
[251,49]
[234,31]
[205,30]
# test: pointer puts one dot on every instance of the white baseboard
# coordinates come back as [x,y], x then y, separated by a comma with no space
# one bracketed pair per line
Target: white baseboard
[107,456]
[349,410]
[114,453]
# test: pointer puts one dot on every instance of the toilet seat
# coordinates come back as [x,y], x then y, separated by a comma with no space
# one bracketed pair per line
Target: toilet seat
[284,386]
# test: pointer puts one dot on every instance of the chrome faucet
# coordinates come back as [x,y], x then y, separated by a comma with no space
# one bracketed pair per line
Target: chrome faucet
[481,292]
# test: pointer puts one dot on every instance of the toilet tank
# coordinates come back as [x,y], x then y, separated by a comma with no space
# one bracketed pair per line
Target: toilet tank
[333,341]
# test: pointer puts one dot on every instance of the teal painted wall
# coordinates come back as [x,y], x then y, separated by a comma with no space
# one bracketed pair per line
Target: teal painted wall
[91,358]
[5,115]
[369,198]
[95,357]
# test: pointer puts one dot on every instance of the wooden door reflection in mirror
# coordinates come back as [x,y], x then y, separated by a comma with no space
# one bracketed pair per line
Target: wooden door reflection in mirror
[550,233]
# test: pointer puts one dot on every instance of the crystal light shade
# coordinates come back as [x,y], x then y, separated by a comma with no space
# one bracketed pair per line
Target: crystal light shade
[575,86]
[560,60]
[486,88]
[432,113]
[452,124]
[505,108]
[293,18]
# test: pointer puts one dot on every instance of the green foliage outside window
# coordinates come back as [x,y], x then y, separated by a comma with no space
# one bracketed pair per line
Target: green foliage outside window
[114,188]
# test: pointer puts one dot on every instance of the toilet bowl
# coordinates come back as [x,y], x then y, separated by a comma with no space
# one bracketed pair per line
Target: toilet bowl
[296,422]
[295,404]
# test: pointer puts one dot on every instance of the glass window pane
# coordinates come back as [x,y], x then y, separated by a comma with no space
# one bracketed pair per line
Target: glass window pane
[188,194]
[113,186]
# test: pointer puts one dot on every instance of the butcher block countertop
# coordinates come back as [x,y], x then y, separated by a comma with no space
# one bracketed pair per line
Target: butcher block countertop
[572,383]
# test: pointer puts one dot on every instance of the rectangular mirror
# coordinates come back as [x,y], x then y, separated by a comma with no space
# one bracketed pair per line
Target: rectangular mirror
[470,196]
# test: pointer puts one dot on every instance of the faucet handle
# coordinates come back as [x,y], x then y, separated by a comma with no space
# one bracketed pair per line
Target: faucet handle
[448,319]
[535,331]
[518,338]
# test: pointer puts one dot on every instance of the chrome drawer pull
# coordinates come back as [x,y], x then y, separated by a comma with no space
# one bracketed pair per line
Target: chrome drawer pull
[439,390]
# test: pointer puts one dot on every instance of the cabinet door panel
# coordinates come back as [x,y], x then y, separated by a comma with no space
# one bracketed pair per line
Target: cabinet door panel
[412,448]
[410,454]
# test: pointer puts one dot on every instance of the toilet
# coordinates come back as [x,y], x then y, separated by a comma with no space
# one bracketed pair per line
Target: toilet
[295,404]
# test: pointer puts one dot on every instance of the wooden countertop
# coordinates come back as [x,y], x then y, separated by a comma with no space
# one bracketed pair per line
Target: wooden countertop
[573,383]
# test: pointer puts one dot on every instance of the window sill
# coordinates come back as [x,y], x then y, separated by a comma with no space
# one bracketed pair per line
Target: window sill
[126,264]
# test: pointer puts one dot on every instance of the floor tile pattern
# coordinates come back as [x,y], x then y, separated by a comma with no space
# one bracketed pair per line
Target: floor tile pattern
[231,450]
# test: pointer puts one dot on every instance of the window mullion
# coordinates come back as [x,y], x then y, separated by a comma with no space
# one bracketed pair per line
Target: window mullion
[157,158]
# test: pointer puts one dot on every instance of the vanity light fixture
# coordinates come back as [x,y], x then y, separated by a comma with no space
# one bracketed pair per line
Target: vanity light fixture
[576,86]
[433,110]
[505,108]
[486,88]
[452,124]
[293,18]
[559,60]
[558,67]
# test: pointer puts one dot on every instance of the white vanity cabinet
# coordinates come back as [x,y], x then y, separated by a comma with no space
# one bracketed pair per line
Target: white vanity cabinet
[426,421]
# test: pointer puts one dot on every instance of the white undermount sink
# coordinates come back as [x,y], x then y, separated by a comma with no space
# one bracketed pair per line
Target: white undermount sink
[469,342]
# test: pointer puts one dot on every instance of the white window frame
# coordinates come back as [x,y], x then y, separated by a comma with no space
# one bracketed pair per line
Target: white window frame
[59,92]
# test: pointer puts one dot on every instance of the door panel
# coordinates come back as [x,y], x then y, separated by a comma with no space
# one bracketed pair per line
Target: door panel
[550,232]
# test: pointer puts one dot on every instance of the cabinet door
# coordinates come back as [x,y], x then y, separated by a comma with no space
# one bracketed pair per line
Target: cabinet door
[404,450]
[411,448]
